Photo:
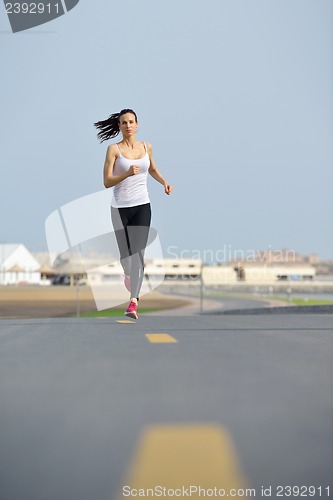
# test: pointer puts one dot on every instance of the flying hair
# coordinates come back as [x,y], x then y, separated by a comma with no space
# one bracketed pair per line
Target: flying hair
[109,128]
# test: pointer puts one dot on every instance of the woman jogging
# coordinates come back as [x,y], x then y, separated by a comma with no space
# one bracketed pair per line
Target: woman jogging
[126,168]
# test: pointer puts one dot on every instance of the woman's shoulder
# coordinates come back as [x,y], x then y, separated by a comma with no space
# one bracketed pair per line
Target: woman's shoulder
[148,145]
[113,147]
[112,152]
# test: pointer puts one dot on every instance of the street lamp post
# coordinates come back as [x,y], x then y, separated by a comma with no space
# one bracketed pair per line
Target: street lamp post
[201,288]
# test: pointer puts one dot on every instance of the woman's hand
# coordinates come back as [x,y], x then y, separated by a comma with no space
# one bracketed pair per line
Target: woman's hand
[133,170]
[168,188]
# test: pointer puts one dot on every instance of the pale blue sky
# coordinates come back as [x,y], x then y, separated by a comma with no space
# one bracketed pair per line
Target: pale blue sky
[234,95]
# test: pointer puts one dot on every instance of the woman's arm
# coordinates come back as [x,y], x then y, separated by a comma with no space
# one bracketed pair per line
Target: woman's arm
[155,173]
[111,180]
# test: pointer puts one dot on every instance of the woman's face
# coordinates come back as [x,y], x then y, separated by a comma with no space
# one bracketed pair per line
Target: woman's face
[127,124]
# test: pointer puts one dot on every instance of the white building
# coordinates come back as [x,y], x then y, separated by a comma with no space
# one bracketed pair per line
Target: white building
[180,271]
[18,266]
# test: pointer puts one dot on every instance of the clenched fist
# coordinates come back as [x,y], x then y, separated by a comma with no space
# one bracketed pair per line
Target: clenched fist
[133,170]
[167,188]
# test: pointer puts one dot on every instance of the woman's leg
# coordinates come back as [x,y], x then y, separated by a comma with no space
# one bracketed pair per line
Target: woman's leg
[120,218]
[138,231]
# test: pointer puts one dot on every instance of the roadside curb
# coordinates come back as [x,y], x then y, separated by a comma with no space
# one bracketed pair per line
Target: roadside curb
[320,309]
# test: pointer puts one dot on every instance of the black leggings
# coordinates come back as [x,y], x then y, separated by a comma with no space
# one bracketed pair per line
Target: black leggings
[131,225]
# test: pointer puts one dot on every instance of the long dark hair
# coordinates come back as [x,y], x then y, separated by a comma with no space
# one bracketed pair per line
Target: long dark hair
[110,128]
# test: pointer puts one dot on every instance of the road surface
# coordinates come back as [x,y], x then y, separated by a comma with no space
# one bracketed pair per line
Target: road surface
[91,405]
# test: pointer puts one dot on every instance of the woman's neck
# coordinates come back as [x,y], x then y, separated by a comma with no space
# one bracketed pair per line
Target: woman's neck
[130,142]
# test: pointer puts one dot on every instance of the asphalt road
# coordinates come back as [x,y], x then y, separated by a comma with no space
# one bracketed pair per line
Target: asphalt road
[78,395]
[222,303]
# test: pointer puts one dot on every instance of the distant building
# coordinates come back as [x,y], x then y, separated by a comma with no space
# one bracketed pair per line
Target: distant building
[169,269]
[325,268]
[282,256]
[18,266]
[274,265]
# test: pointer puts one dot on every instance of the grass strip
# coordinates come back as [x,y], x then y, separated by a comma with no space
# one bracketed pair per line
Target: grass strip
[311,302]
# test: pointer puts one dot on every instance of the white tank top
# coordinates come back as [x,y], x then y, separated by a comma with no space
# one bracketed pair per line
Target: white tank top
[131,191]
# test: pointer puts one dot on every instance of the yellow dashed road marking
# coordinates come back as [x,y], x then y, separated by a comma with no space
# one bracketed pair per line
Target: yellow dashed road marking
[127,321]
[161,338]
[184,456]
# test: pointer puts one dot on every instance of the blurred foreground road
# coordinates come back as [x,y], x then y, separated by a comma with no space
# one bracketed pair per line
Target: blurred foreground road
[88,405]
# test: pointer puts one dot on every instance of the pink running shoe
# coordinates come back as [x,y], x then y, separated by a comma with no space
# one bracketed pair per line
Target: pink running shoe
[132,310]
[127,282]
